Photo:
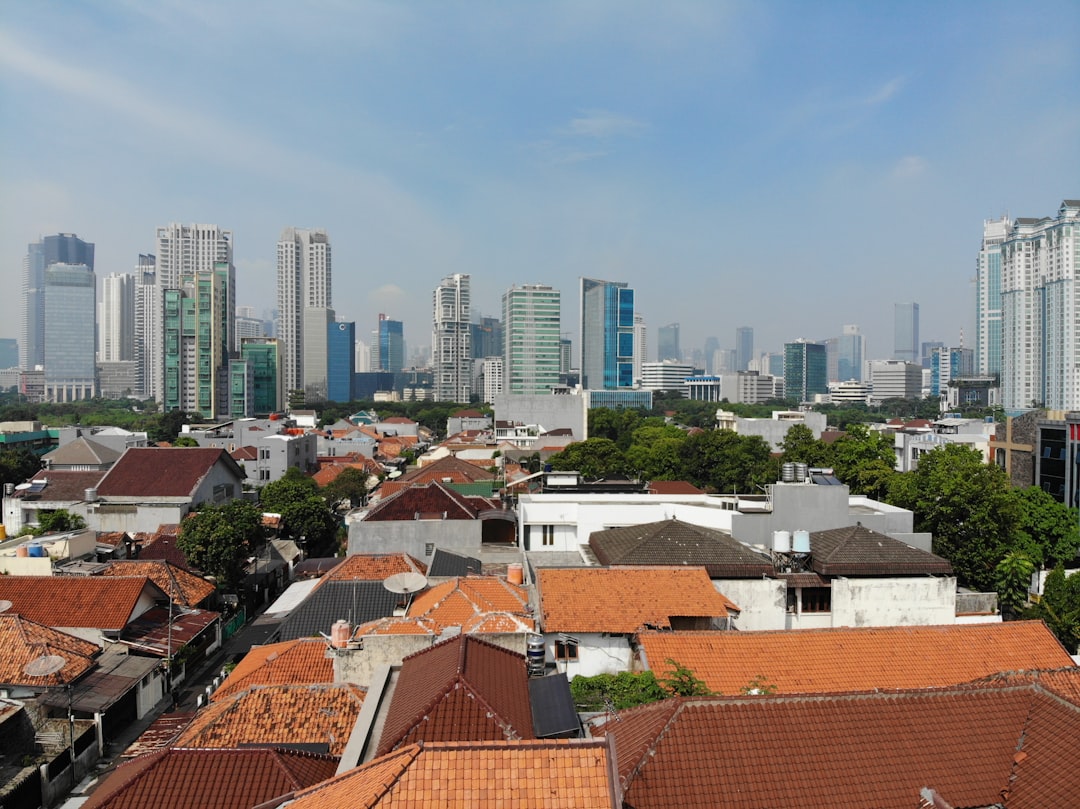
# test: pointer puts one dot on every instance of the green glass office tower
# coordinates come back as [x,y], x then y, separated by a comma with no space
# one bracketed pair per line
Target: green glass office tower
[805,370]
[532,322]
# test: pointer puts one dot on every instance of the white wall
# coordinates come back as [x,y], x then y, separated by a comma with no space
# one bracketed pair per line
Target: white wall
[914,601]
[762,602]
[597,654]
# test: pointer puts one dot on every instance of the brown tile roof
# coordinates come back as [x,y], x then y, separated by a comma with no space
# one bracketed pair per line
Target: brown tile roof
[76,601]
[465,601]
[427,501]
[397,626]
[673,542]
[463,689]
[278,714]
[553,774]
[858,659]
[1064,682]
[163,471]
[112,538]
[224,779]
[976,748]
[23,641]
[625,600]
[183,586]
[81,451]
[62,487]
[293,662]
[374,567]
[459,471]
[673,487]
[859,551]
[245,454]
[163,546]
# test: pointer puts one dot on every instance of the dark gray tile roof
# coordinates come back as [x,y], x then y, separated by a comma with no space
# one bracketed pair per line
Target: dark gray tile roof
[858,551]
[354,601]
[445,563]
[673,542]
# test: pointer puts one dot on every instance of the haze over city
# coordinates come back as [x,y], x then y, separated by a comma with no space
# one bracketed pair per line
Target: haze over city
[784,166]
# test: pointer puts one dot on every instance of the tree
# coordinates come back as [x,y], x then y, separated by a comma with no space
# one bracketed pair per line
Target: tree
[800,446]
[864,459]
[725,461]
[293,487]
[218,538]
[58,521]
[593,458]
[313,521]
[654,452]
[1013,580]
[185,441]
[968,507]
[682,682]
[1059,607]
[17,464]
[615,691]
[1050,525]
[350,486]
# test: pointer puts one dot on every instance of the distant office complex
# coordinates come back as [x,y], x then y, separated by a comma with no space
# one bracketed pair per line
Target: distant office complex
[641,346]
[947,364]
[850,352]
[451,343]
[304,299]
[607,335]
[744,347]
[667,343]
[906,332]
[805,371]
[70,302]
[389,354]
[64,248]
[1040,359]
[487,337]
[340,361]
[988,297]
[532,324]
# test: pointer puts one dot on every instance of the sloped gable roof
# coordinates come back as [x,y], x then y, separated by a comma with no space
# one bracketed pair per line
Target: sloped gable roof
[82,451]
[62,486]
[858,659]
[857,550]
[673,542]
[183,586]
[427,501]
[374,567]
[465,601]
[163,471]
[99,602]
[302,661]
[463,689]
[23,641]
[457,470]
[354,601]
[224,779]
[162,545]
[626,600]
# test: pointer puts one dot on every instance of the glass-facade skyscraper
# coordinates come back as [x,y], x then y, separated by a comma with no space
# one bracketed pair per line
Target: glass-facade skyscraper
[70,305]
[805,370]
[451,339]
[850,353]
[744,347]
[391,349]
[906,332]
[667,343]
[340,361]
[532,327]
[63,248]
[988,297]
[607,335]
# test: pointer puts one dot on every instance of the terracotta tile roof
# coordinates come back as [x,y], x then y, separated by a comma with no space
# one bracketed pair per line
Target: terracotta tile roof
[673,542]
[278,714]
[468,413]
[463,689]
[224,779]
[466,600]
[112,538]
[397,626]
[293,662]
[459,471]
[77,601]
[976,748]
[245,454]
[159,735]
[62,486]
[163,472]
[397,420]
[427,501]
[163,545]
[1065,682]
[858,659]
[24,640]
[554,774]
[673,487]
[625,600]
[183,586]
[856,550]
[374,567]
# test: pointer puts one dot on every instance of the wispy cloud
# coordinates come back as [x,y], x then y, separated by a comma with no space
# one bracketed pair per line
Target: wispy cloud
[602,125]
[909,167]
[885,92]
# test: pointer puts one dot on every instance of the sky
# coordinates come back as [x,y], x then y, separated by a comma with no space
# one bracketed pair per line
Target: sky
[789,166]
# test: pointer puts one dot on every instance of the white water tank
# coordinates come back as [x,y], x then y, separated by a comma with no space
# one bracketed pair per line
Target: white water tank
[781,541]
[801,542]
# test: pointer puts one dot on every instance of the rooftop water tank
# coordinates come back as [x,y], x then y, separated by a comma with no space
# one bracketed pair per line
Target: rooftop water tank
[340,633]
[787,473]
[801,541]
[515,573]
[534,655]
[36,550]
[781,541]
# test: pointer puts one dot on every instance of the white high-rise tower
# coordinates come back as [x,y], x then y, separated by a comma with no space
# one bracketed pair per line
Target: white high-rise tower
[304,296]
[451,340]
[116,320]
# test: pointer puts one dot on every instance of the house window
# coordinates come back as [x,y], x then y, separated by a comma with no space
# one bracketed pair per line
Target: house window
[817,599]
[549,534]
[566,650]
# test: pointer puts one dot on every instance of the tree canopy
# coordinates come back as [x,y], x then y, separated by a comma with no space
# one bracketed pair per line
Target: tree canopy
[218,539]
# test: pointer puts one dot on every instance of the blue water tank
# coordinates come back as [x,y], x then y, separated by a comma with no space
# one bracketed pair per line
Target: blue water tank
[37,550]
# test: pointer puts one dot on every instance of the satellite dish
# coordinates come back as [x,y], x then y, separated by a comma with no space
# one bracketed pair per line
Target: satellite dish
[408,582]
[22,487]
[44,666]
[5,605]
[395,474]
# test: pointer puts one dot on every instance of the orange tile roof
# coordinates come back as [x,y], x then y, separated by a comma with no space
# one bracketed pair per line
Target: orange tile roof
[292,662]
[278,714]
[397,626]
[183,586]
[23,641]
[374,567]
[462,600]
[857,659]
[554,774]
[625,599]
[976,748]
[224,779]
[77,601]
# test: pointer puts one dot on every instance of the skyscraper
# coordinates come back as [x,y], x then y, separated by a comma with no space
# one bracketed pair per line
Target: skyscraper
[906,332]
[804,370]
[711,346]
[667,343]
[451,343]
[744,347]
[116,322]
[487,337]
[532,323]
[305,301]
[148,333]
[850,351]
[70,304]
[64,248]
[391,345]
[607,335]
[641,345]
[341,361]
[1040,306]
[988,297]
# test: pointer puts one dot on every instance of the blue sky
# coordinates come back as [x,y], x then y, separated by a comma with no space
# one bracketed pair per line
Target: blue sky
[787,166]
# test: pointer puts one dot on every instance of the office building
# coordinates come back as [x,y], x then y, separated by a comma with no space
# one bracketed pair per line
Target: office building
[895,379]
[64,248]
[1040,307]
[667,343]
[711,345]
[486,337]
[70,302]
[247,326]
[947,364]
[566,353]
[641,346]
[391,345]
[988,297]
[148,328]
[805,370]
[667,375]
[262,357]
[304,302]
[492,378]
[116,318]
[607,335]
[532,323]
[341,361]
[744,347]
[906,332]
[850,352]
[451,339]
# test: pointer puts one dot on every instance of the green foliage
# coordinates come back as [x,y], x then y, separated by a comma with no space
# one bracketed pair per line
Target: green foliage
[293,487]
[618,691]
[759,685]
[655,452]
[17,464]
[968,507]
[314,521]
[593,458]
[349,486]
[185,441]
[53,522]
[682,682]
[800,446]
[1013,578]
[724,461]
[1059,607]
[864,459]
[218,538]
[1050,525]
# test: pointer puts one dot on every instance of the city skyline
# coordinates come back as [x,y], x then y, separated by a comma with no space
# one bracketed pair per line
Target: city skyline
[729,161]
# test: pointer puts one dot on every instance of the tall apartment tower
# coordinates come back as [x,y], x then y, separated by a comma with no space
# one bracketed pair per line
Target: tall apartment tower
[906,332]
[744,347]
[70,305]
[641,345]
[451,340]
[850,352]
[667,343]
[304,300]
[148,334]
[988,297]
[805,370]
[532,328]
[63,248]
[1040,305]
[607,335]
[197,286]
[116,318]
[391,345]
